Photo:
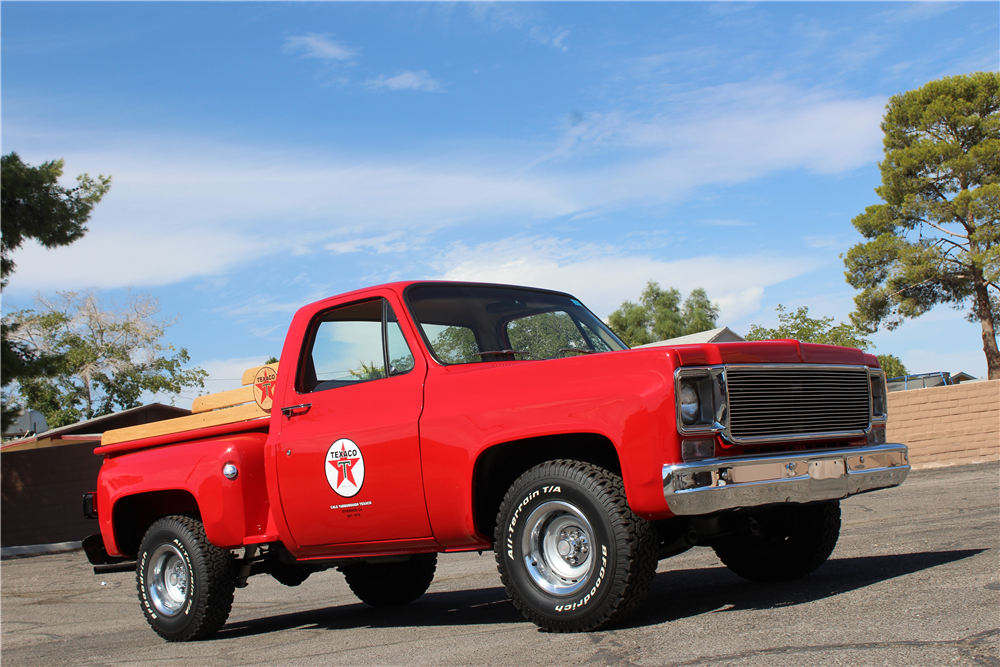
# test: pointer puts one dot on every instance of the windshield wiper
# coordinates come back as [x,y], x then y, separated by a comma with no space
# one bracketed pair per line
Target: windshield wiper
[479,354]
[577,350]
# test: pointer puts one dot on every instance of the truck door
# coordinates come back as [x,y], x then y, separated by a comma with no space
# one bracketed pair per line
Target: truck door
[349,457]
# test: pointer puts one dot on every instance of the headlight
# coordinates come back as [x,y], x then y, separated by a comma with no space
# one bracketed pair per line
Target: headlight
[701,403]
[690,405]
[878,395]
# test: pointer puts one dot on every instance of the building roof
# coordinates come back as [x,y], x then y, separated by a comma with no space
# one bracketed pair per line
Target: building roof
[91,429]
[720,335]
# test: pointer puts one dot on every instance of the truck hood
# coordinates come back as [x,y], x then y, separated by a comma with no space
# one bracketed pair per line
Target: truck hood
[766,352]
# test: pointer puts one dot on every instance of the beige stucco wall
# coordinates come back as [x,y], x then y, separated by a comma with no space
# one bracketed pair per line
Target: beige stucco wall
[947,425]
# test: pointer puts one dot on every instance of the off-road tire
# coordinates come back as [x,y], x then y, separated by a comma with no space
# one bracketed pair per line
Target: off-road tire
[794,541]
[391,584]
[185,583]
[610,553]
[289,575]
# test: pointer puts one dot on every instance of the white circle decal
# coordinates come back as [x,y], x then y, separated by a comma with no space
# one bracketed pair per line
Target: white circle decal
[345,468]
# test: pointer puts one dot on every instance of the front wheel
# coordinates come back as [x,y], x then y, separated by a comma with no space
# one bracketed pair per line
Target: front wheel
[783,543]
[571,554]
[185,583]
[289,575]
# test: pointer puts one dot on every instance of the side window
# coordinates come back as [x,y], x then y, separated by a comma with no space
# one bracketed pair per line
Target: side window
[351,344]
[400,357]
[545,334]
[596,341]
[452,344]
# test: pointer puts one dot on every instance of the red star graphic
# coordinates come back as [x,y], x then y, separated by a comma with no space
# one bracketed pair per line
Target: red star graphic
[266,391]
[343,466]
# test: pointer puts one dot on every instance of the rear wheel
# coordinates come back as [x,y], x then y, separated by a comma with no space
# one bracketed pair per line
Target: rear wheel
[185,583]
[783,543]
[390,584]
[571,554]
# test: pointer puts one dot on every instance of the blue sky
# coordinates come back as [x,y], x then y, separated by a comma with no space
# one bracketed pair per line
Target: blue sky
[266,155]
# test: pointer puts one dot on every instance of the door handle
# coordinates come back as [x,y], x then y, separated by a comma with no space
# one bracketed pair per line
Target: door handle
[293,410]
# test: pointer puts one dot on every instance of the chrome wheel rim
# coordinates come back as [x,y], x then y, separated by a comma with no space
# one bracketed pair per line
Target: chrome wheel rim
[168,580]
[557,546]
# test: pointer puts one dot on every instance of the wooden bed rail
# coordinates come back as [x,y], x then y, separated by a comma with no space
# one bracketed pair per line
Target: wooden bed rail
[227,407]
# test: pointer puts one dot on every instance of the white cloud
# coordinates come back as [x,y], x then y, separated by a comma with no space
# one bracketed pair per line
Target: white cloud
[199,208]
[729,133]
[226,374]
[419,80]
[116,255]
[516,16]
[603,275]
[555,38]
[824,242]
[905,12]
[186,207]
[321,47]
[725,223]
[393,242]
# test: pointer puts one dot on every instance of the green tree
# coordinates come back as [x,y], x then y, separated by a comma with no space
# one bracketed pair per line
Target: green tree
[105,359]
[371,370]
[660,315]
[35,206]
[698,313]
[799,326]
[892,365]
[453,345]
[936,239]
[542,336]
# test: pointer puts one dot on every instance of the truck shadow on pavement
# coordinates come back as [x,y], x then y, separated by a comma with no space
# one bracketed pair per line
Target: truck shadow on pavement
[685,593]
[486,606]
[675,594]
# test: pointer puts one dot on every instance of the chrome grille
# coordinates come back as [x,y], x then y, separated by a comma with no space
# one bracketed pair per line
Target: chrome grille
[770,402]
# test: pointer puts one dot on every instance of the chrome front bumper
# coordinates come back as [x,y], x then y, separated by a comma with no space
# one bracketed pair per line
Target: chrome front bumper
[712,485]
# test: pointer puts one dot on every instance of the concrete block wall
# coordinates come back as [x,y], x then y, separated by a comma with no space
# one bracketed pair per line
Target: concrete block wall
[946,426]
[42,494]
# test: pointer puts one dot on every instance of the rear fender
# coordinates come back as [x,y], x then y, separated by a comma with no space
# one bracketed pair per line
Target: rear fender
[183,478]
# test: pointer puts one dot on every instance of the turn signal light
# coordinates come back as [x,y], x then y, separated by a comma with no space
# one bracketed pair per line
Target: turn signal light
[695,450]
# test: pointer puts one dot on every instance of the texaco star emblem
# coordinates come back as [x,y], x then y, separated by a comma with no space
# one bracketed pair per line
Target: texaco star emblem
[345,468]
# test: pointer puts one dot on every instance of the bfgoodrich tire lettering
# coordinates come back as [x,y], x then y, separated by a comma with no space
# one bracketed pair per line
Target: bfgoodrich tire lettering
[185,583]
[789,543]
[571,554]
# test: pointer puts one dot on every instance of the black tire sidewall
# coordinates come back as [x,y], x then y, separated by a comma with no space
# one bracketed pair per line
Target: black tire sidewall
[177,535]
[601,579]
[391,584]
[800,553]
[289,575]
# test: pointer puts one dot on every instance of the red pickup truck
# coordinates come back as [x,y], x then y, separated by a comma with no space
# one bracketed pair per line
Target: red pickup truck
[419,418]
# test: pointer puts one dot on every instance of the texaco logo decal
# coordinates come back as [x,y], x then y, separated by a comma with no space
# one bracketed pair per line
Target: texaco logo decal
[345,468]
[263,387]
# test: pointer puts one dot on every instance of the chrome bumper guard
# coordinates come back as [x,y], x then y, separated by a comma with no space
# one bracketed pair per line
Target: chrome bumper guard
[712,485]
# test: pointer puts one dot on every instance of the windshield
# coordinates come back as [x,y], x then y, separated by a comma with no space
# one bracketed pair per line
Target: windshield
[468,324]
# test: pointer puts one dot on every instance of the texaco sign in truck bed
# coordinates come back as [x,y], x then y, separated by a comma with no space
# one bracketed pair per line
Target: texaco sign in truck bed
[414,419]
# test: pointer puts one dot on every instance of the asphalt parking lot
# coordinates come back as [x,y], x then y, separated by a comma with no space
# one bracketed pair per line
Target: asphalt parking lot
[913,581]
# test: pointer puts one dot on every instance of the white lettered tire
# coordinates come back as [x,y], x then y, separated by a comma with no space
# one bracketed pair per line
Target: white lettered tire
[571,554]
[185,583]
